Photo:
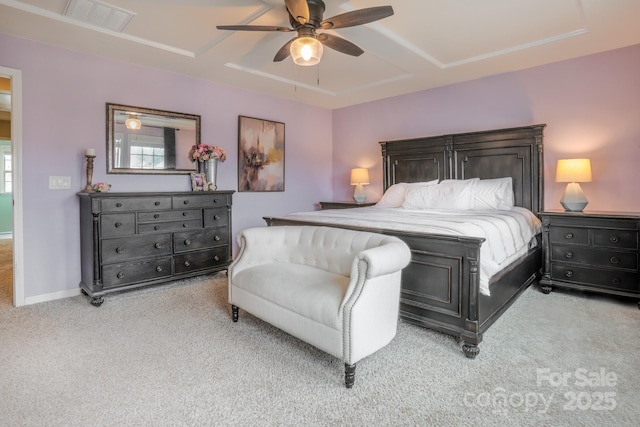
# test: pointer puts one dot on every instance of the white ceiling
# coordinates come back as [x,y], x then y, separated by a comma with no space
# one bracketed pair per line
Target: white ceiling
[425,44]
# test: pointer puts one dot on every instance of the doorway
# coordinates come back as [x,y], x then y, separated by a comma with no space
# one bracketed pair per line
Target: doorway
[11,180]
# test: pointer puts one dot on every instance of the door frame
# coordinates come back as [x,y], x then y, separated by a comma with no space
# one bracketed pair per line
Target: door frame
[16,192]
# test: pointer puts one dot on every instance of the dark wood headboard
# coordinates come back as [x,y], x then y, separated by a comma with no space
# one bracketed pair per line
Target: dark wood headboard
[514,152]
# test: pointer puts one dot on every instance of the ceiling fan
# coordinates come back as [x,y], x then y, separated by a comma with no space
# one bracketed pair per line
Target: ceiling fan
[306,17]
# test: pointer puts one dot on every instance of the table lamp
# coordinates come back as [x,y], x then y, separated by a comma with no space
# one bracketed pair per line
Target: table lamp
[359,177]
[573,171]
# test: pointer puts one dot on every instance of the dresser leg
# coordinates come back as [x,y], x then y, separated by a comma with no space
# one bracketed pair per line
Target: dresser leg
[97,301]
[546,289]
[470,350]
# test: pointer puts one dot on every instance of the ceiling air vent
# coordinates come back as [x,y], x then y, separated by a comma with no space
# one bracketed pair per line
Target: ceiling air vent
[99,14]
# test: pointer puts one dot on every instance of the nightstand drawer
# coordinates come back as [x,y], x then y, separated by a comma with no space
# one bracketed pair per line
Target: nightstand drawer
[574,235]
[621,280]
[626,239]
[594,257]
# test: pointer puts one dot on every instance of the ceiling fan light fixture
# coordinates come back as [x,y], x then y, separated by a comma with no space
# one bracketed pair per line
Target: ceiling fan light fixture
[133,123]
[306,51]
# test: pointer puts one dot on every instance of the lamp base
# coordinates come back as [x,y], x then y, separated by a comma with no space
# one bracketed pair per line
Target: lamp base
[573,199]
[359,195]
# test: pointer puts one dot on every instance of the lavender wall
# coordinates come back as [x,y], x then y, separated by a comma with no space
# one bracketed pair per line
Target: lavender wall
[64,96]
[591,106]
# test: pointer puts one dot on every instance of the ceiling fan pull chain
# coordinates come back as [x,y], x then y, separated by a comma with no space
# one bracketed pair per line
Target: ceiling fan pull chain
[318,75]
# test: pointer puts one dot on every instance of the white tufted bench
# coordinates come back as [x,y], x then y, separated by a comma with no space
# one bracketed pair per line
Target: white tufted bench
[336,289]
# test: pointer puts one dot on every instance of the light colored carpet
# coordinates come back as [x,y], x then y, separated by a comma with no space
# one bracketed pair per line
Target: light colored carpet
[171,356]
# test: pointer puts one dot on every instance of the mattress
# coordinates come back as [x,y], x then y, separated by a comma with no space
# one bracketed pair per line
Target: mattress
[508,234]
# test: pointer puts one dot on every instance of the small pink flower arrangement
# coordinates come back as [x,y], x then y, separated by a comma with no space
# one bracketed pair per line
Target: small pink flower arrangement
[206,152]
[101,187]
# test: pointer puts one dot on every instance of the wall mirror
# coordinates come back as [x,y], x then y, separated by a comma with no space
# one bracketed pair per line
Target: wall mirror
[148,141]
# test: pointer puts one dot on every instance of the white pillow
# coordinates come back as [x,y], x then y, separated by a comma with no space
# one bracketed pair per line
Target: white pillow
[494,194]
[449,194]
[394,196]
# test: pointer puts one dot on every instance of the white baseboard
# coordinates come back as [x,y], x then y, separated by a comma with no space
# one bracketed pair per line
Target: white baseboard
[52,296]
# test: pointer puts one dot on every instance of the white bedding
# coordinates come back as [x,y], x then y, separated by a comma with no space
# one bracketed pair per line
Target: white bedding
[508,233]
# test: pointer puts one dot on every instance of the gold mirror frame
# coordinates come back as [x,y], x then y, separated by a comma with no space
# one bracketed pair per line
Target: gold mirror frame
[159,128]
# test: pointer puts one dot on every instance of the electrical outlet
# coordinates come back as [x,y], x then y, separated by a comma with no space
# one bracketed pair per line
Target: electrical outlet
[59,182]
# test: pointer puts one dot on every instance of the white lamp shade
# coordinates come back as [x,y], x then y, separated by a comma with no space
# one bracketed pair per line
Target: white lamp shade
[359,176]
[573,170]
[306,51]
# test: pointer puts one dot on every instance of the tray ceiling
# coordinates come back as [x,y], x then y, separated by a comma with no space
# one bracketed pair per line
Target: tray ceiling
[425,44]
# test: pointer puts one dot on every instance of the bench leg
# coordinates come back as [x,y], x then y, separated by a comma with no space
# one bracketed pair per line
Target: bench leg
[234,313]
[349,375]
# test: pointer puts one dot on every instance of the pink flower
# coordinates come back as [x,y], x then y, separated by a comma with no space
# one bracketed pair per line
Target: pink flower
[205,152]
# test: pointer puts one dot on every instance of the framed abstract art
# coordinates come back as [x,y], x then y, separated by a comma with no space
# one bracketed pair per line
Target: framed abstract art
[260,155]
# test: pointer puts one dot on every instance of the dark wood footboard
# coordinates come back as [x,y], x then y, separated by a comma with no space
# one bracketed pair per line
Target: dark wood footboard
[441,285]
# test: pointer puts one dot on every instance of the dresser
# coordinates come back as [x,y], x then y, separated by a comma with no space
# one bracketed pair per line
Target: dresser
[130,240]
[591,251]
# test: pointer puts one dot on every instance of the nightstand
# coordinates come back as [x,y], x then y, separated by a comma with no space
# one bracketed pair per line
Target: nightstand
[344,205]
[591,251]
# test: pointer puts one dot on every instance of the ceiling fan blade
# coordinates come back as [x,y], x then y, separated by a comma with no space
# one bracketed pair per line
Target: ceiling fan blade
[253,28]
[284,51]
[299,9]
[340,44]
[357,17]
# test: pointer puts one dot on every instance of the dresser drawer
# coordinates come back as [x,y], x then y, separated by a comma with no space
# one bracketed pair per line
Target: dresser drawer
[127,248]
[574,235]
[114,225]
[624,239]
[115,275]
[169,215]
[613,279]
[216,217]
[154,227]
[193,261]
[200,201]
[594,257]
[200,239]
[135,204]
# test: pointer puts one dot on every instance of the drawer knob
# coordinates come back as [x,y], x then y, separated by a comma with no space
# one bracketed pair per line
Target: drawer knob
[616,281]
[159,268]
[119,250]
[568,236]
[120,275]
[118,224]
[568,255]
[187,263]
[216,217]
[157,203]
[568,273]
[156,227]
[216,238]
[156,216]
[216,258]
[184,214]
[118,205]
[215,200]
[614,260]
[158,245]
[186,202]
[184,225]
[187,242]
[614,239]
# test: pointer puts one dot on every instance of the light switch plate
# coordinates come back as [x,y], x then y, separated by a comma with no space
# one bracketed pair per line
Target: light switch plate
[59,182]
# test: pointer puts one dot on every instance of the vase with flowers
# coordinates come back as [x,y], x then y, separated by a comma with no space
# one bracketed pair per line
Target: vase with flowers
[101,187]
[208,157]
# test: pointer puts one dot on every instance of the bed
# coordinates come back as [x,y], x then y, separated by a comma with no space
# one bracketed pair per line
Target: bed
[441,287]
